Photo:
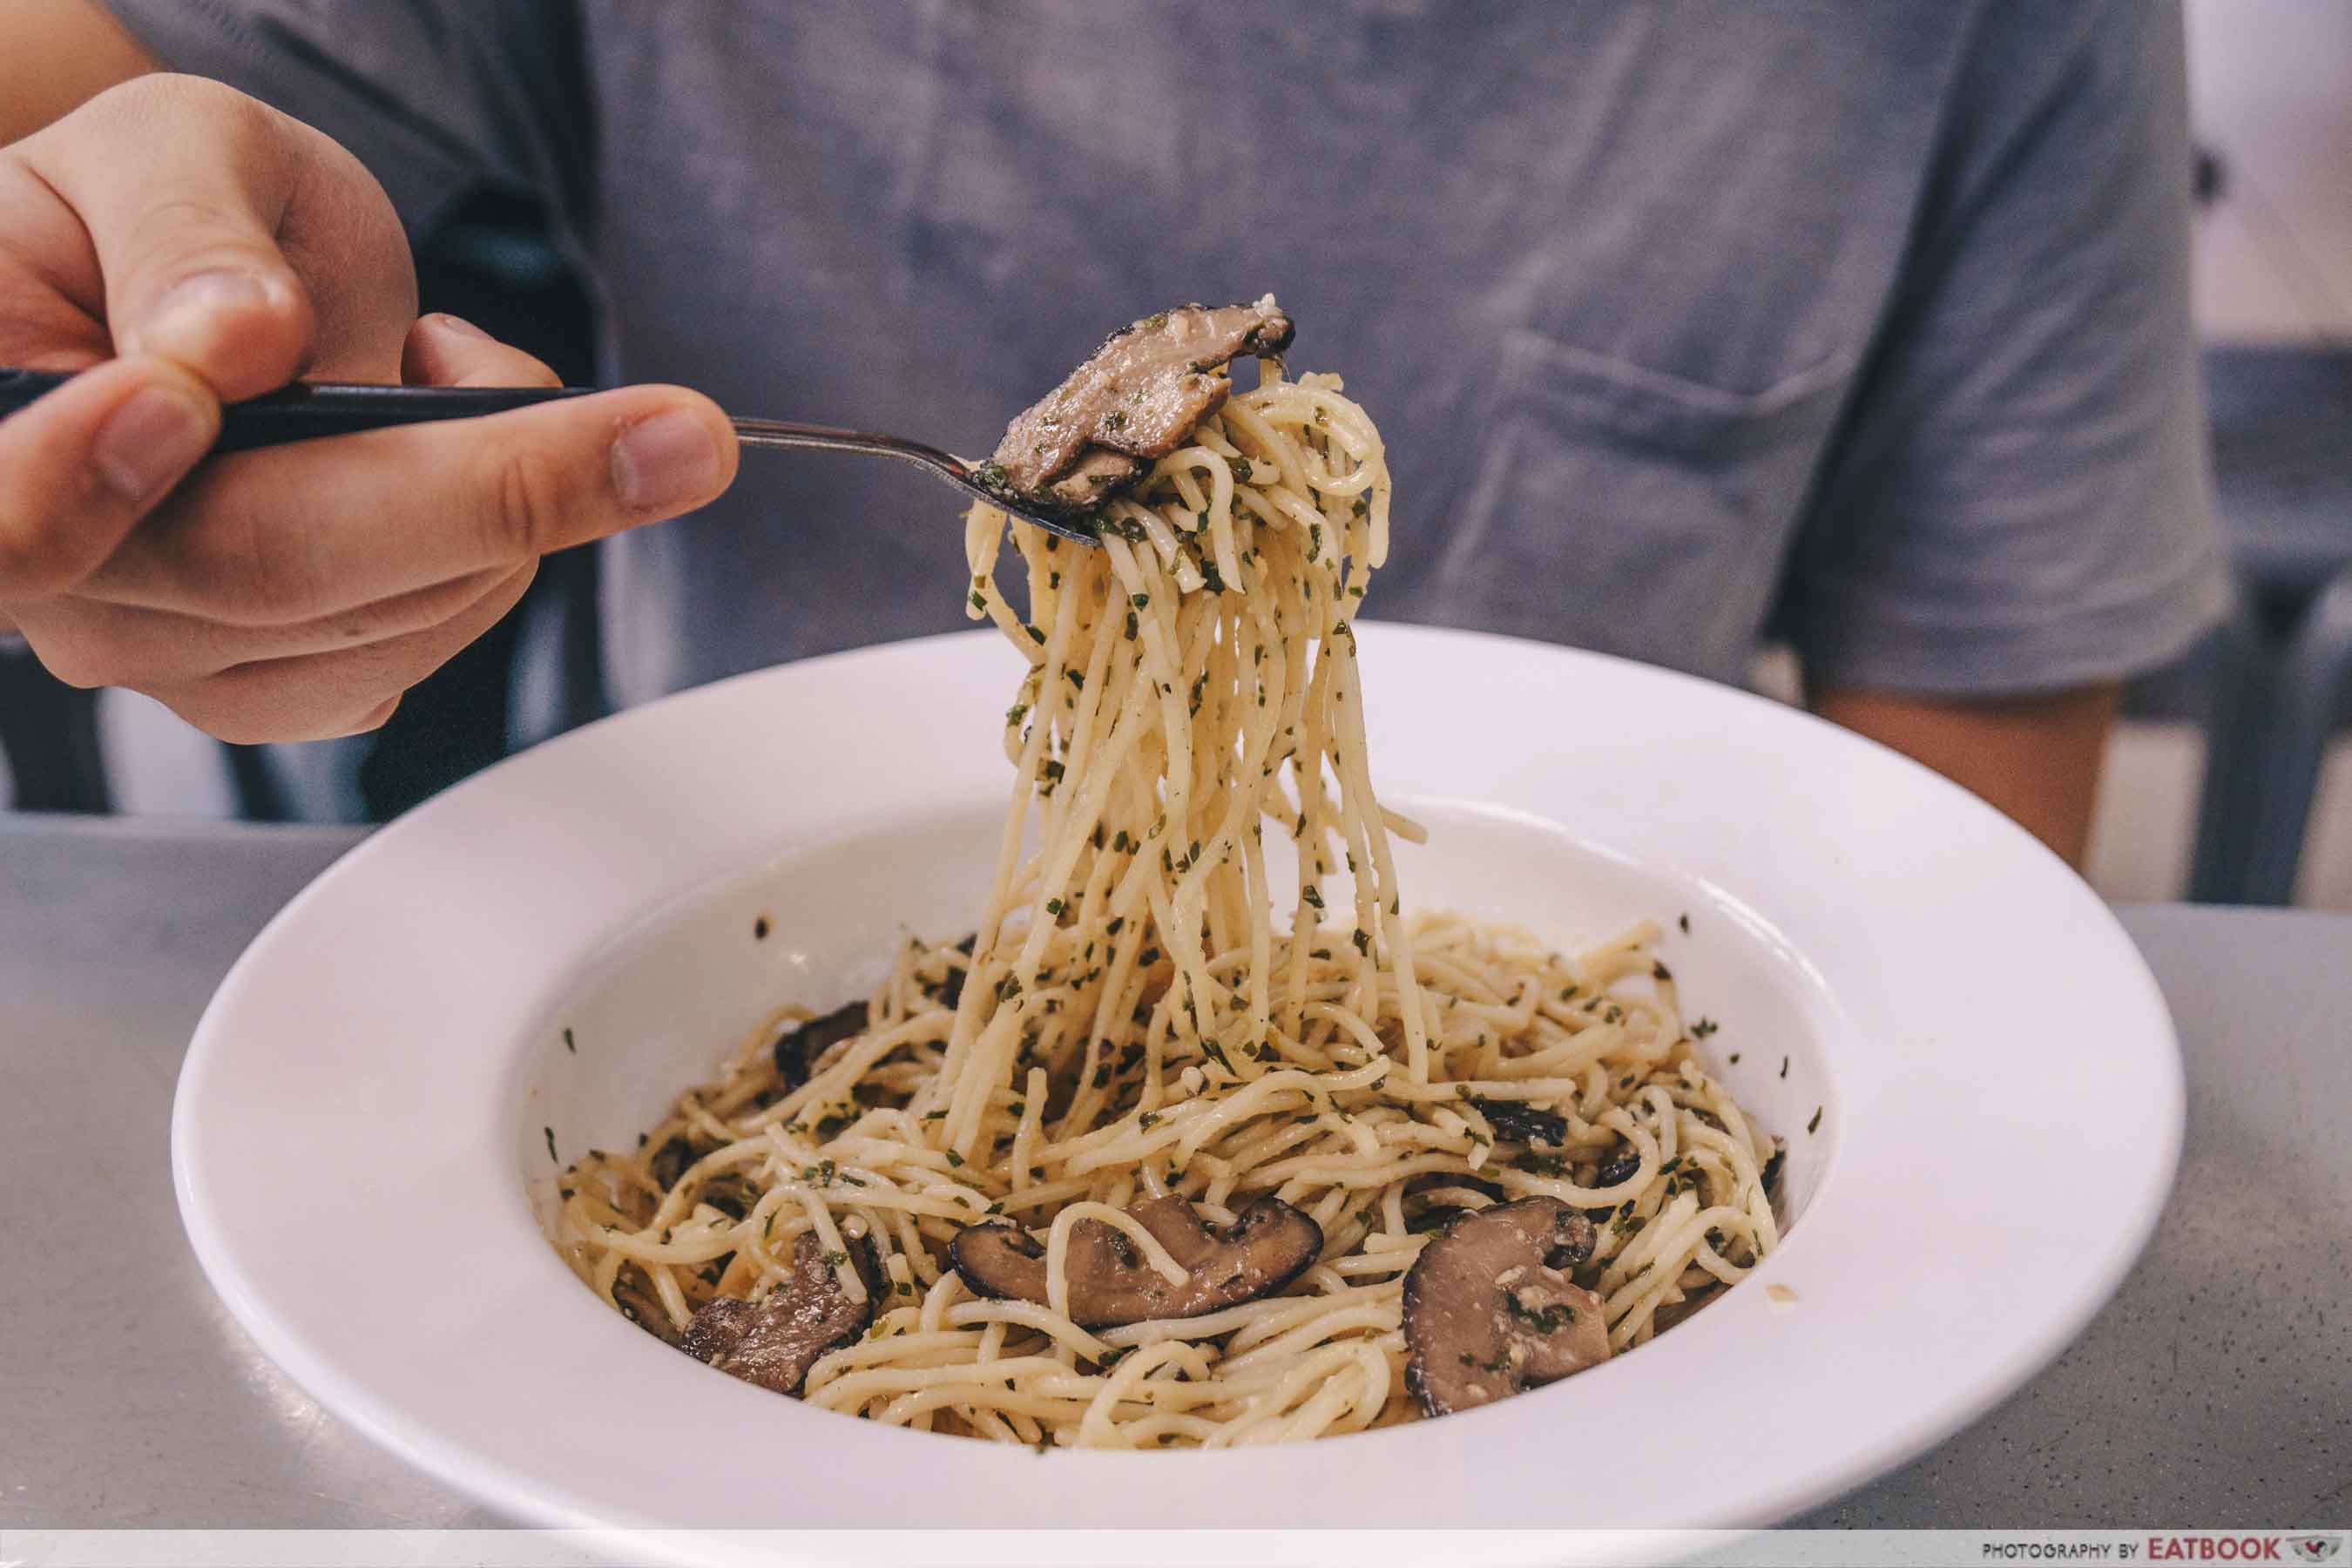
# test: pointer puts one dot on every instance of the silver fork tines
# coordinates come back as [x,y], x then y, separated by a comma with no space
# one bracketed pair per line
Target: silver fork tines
[787,436]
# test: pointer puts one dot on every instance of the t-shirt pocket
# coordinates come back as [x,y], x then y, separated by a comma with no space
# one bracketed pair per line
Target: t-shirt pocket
[1633,511]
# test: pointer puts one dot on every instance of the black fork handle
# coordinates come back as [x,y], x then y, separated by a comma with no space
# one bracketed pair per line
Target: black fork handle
[309,410]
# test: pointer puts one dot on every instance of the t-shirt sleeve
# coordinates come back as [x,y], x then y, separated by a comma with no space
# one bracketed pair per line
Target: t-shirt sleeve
[2018,499]
[438,98]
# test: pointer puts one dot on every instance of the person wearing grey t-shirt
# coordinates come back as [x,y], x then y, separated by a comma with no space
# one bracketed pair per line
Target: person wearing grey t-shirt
[1689,325]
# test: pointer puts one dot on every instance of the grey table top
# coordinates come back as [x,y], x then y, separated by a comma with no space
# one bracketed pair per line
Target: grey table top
[2216,1391]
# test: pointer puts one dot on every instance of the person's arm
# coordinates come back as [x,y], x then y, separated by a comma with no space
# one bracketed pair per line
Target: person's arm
[180,246]
[56,55]
[2035,758]
[2015,515]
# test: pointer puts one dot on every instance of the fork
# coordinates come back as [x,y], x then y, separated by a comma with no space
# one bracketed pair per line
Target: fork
[307,411]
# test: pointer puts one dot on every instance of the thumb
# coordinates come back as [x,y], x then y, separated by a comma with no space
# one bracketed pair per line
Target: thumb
[79,467]
[181,184]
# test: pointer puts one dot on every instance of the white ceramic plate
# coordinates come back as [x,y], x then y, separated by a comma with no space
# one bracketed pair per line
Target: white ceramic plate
[362,1135]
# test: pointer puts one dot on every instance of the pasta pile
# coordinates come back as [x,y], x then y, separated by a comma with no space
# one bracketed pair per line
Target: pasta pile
[1129,1019]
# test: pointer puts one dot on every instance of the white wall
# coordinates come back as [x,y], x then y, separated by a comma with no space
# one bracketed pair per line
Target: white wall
[2270,89]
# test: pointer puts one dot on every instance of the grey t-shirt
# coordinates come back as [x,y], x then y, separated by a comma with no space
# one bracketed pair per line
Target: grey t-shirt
[1686,323]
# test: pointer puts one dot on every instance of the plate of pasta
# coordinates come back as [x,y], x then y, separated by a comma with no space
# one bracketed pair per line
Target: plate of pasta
[1181,1056]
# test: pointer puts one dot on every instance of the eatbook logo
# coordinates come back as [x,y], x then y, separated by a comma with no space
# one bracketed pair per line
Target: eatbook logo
[2317,1548]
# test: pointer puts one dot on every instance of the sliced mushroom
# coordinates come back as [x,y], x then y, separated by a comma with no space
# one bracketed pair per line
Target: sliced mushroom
[1425,1213]
[1438,1181]
[1110,1284]
[1097,475]
[1618,1166]
[1140,396]
[774,1340]
[800,1045]
[1490,1311]
[634,1294]
[947,991]
[670,1161]
[1673,1312]
[1519,1122]
[730,1192]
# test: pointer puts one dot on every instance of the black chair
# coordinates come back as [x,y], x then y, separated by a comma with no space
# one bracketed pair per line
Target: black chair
[49,732]
[2282,424]
[2286,702]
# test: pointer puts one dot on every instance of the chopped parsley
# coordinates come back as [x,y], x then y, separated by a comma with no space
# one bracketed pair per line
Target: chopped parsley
[1544,1320]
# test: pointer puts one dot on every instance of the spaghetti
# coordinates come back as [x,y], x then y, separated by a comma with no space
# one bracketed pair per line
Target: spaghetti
[1128,1022]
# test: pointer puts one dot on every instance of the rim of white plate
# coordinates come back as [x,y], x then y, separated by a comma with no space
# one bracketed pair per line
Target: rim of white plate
[2008,1082]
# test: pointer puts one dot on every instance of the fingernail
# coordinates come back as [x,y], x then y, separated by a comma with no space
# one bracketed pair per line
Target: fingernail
[195,299]
[154,437]
[668,460]
[459,325]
